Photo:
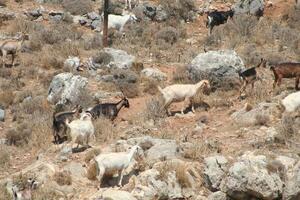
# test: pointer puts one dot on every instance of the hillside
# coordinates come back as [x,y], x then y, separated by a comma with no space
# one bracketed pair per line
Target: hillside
[232,147]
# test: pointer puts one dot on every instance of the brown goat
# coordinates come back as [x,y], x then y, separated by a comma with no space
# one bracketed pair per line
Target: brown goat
[286,70]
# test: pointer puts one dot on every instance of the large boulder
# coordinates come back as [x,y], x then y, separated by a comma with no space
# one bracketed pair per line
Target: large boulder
[72,63]
[120,58]
[263,111]
[154,73]
[220,67]
[66,87]
[250,177]
[214,171]
[254,7]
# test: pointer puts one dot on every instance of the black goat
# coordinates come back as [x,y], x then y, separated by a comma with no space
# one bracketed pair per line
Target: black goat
[249,76]
[59,122]
[216,18]
[109,110]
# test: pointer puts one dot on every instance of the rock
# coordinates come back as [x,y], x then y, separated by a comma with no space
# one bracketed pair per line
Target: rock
[220,67]
[93,16]
[6,14]
[292,185]
[149,10]
[113,194]
[121,59]
[34,13]
[78,19]
[56,15]
[254,7]
[162,150]
[250,178]
[214,171]
[161,14]
[72,63]
[105,95]
[77,171]
[96,24]
[2,115]
[66,87]
[217,196]
[154,73]
[250,118]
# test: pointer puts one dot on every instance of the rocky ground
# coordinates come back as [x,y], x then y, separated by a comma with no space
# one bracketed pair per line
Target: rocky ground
[230,148]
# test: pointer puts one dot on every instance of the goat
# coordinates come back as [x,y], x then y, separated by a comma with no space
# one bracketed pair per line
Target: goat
[118,21]
[249,76]
[59,122]
[26,193]
[216,18]
[109,110]
[12,47]
[286,70]
[115,162]
[291,102]
[182,92]
[81,130]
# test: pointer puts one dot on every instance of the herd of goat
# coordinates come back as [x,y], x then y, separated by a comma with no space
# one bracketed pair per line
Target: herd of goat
[80,120]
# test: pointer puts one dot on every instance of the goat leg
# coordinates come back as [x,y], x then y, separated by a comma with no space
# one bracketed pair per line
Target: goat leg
[120,177]
[12,60]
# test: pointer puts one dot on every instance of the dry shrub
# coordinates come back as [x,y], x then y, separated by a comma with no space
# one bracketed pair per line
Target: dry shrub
[51,61]
[167,34]
[150,85]
[20,96]
[6,98]
[44,193]
[262,119]
[130,90]
[181,75]
[102,58]
[18,136]
[95,42]
[91,154]
[103,129]
[4,158]
[154,109]
[179,9]
[181,175]
[63,178]
[68,18]
[92,171]
[77,7]
[164,170]
[287,126]
[5,73]
[4,195]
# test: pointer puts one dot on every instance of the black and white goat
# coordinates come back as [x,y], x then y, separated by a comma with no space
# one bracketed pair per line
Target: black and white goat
[109,110]
[249,76]
[59,122]
[216,18]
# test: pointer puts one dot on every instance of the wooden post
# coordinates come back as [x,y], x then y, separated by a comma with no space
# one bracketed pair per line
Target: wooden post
[105,23]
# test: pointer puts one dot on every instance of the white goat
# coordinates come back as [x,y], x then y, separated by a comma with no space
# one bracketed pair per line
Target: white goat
[81,130]
[291,102]
[11,47]
[182,92]
[115,162]
[118,21]
[26,193]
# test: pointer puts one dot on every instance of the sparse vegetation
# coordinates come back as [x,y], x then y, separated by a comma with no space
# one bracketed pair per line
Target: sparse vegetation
[4,158]
[78,7]
[168,34]
[154,109]
[19,135]
[91,154]
[63,178]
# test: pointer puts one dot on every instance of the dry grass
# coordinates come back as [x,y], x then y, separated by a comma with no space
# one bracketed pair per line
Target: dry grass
[181,76]
[4,158]
[44,193]
[19,136]
[6,98]
[3,3]
[167,34]
[102,58]
[77,7]
[4,195]
[63,178]
[262,119]
[179,9]
[181,175]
